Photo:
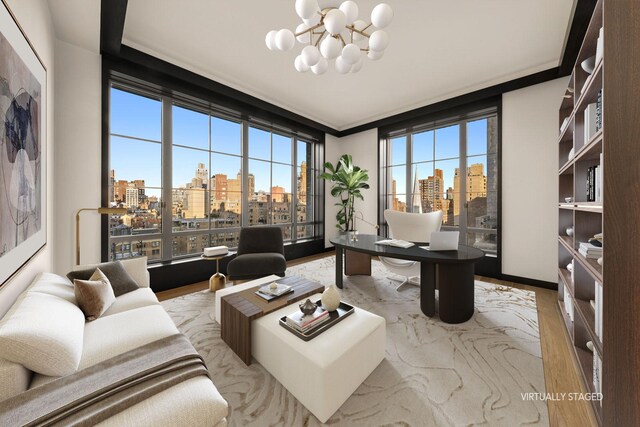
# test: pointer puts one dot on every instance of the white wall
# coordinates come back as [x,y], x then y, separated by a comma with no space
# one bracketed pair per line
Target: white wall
[78,168]
[530,180]
[35,19]
[363,147]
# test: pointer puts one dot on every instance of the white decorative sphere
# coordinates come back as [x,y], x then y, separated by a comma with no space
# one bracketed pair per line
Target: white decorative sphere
[358,25]
[335,21]
[270,40]
[314,20]
[285,39]
[341,66]
[381,15]
[351,53]
[374,56]
[350,10]
[330,47]
[358,65]
[310,55]
[306,8]
[378,41]
[321,67]
[302,38]
[300,65]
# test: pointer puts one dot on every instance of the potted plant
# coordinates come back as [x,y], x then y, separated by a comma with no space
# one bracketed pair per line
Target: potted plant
[347,180]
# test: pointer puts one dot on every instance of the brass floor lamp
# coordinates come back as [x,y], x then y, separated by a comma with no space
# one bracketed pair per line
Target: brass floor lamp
[101,211]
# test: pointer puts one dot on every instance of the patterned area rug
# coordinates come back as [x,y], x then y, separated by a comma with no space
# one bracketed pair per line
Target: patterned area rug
[433,374]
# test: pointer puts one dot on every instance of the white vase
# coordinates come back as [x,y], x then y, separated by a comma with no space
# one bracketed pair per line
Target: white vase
[331,298]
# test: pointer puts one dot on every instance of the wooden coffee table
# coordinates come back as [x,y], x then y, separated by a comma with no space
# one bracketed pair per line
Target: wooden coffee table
[239,309]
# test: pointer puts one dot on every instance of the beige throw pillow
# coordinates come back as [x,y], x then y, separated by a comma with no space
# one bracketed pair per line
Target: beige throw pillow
[95,295]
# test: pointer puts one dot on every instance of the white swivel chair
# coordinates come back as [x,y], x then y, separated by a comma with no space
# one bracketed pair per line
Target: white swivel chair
[413,227]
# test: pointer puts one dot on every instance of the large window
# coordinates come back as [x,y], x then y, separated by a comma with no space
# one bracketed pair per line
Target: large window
[449,166]
[191,177]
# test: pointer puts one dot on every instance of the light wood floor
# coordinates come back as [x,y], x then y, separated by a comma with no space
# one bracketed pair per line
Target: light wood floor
[560,367]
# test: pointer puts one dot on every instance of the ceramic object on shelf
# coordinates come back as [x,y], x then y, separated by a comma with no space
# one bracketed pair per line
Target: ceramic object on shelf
[589,64]
[331,298]
[600,260]
[569,231]
[308,307]
[568,199]
[571,154]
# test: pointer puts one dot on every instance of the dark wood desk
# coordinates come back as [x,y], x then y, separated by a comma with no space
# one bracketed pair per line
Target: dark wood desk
[239,309]
[453,275]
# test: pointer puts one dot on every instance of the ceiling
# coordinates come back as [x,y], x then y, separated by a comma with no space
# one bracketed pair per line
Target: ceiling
[439,49]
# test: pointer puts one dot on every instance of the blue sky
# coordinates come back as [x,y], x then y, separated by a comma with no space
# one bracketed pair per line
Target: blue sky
[141,117]
[437,149]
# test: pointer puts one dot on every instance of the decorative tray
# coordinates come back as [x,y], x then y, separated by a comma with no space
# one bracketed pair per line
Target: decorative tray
[343,310]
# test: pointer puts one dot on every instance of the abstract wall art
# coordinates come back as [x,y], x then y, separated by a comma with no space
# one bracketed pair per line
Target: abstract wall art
[23,113]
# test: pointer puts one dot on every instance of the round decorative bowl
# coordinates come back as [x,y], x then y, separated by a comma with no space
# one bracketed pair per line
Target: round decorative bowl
[589,64]
[570,231]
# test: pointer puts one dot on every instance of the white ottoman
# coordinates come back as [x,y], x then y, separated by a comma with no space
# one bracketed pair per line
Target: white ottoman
[321,373]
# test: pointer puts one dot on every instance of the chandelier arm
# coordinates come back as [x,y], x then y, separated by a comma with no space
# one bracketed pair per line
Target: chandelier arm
[308,30]
[365,28]
[361,32]
[342,40]
[320,38]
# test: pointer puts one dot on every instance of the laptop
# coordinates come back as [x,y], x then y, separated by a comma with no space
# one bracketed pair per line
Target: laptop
[443,241]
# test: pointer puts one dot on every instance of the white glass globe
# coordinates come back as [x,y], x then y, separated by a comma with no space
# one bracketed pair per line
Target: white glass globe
[270,40]
[351,54]
[310,55]
[314,20]
[378,41]
[306,8]
[335,21]
[302,38]
[341,66]
[381,15]
[374,56]
[358,65]
[358,25]
[300,65]
[321,67]
[330,48]
[350,10]
[285,40]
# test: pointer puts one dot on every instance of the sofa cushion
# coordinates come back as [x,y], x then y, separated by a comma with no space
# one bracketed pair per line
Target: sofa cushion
[136,267]
[256,265]
[52,284]
[121,280]
[142,297]
[44,333]
[95,295]
[14,379]
[195,402]
[111,335]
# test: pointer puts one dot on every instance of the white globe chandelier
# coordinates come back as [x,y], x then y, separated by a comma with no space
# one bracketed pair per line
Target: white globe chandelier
[334,34]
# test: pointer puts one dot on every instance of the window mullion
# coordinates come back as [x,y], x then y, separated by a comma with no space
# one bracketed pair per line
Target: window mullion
[167,179]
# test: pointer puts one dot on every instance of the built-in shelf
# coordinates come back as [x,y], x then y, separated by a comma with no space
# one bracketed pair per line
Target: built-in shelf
[585,218]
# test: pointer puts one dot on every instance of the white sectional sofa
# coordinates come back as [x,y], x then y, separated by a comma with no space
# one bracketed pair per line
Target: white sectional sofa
[48,310]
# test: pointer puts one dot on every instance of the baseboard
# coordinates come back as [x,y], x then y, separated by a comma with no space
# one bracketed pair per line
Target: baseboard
[531,282]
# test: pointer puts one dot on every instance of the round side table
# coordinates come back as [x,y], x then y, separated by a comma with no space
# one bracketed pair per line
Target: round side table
[218,280]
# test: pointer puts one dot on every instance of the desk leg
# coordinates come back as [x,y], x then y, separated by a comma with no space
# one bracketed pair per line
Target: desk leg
[428,288]
[456,286]
[339,258]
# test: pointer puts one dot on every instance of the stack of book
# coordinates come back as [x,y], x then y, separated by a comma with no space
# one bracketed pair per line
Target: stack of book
[273,290]
[599,111]
[594,183]
[588,250]
[305,322]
